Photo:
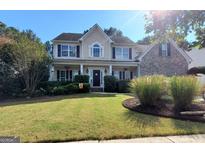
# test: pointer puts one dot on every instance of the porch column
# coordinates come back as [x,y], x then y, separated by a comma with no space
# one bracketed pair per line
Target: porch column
[110,69]
[138,71]
[81,69]
[51,71]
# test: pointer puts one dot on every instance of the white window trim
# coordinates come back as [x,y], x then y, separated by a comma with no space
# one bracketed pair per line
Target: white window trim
[68,45]
[91,50]
[122,57]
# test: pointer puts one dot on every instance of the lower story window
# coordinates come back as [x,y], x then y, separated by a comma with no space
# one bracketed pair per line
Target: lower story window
[116,74]
[62,75]
[75,72]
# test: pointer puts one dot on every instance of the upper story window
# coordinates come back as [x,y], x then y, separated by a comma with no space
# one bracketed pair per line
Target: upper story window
[121,53]
[68,51]
[96,50]
[164,49]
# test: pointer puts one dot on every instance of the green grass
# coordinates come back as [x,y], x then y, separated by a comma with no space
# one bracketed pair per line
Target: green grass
[83,117]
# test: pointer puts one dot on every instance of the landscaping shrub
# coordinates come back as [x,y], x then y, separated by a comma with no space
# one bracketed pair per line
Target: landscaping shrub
[58,90]
[123,86]
[149,89]
[70,88]
[183,90]
[81,78]
[109,83]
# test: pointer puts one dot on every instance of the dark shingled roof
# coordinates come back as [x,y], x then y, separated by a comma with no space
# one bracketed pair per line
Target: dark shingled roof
[69,36]
[77,36]
[121,39]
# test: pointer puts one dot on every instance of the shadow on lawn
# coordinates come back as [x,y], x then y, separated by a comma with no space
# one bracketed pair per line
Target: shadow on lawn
[45,99]
[141,120]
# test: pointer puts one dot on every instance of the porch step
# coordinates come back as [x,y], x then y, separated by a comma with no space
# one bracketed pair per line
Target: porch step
[96,89]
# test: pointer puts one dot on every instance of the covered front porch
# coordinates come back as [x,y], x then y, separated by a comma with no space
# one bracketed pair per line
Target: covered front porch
[96,71]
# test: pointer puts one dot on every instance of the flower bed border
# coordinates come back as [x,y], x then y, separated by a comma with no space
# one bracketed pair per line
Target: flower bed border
[134,105]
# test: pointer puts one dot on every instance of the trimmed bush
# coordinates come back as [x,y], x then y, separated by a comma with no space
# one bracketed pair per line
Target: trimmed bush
[71,88]
[81,78]
[149,89]
[123,86]
[109,83]
[58,90]
[183,90]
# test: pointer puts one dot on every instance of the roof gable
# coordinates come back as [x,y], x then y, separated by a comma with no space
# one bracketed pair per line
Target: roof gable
[96,26]
[183,53]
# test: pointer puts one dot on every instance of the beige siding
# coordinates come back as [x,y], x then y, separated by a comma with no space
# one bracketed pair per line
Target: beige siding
[96,36]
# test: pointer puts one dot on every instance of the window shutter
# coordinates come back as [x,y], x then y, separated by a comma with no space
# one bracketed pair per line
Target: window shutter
[71,75]
[130,53]
[123,74]
[112,73]
[66,75]
[78,51]
[131,75]
[113,53]
[58,75]
[168,49]
[120,75]
[160,49]
[79,72]
[59,50]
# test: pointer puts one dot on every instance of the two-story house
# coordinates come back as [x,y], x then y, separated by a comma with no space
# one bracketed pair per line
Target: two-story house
[96,54]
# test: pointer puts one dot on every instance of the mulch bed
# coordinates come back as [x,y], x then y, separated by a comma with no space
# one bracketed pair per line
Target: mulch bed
[165,110]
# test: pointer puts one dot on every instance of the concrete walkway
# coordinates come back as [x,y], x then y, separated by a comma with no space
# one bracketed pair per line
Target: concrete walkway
[167,139]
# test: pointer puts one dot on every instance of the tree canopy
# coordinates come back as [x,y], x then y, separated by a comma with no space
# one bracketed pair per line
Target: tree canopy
[177,25]
[26,55]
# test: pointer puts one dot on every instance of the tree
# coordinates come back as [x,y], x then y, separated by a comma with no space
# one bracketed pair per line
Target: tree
[30,60]
[177,25]
[145,41]
[26,56]
[113,32]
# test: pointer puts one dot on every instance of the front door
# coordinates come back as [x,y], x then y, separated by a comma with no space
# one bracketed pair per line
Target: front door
[96,78]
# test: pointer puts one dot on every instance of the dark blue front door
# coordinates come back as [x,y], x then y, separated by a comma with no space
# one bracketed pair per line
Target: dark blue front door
[96,78]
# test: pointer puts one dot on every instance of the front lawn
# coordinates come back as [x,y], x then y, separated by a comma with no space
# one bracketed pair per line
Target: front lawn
[85,117]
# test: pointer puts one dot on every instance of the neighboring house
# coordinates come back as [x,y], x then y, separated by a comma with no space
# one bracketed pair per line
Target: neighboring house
[198,57]
[96,54]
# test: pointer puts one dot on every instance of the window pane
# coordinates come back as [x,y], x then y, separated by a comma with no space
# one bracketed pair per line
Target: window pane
[96,45]
[127,75]
[118,53]
[64,50]
[96,52]
[125,53]
[116,74]
[164,46]
[62,75]
[72,51]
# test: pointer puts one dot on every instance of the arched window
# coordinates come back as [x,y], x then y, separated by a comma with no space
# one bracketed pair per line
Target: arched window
[96,50]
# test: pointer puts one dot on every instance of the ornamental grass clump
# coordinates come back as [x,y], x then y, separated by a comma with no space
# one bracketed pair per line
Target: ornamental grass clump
[183,90]
[149,89]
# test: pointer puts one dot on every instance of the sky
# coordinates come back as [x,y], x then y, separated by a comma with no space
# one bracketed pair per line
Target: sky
[48,24]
